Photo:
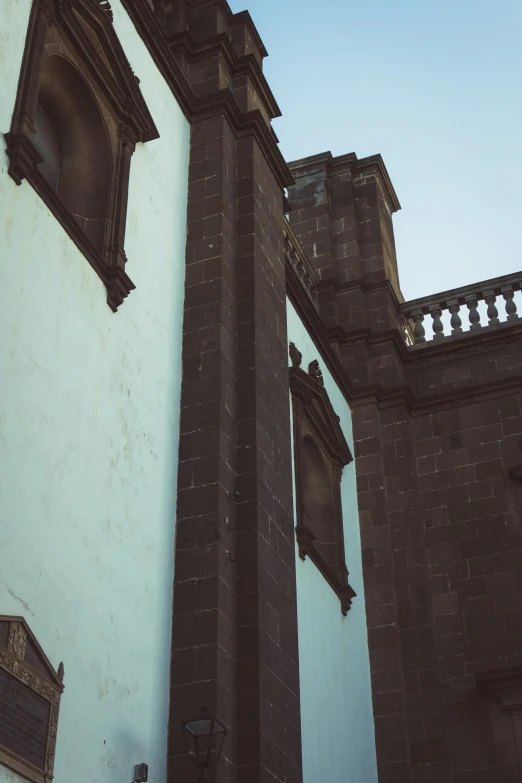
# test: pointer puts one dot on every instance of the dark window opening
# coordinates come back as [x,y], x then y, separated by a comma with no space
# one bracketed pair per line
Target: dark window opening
[319,505]
[47,143]
[72,139]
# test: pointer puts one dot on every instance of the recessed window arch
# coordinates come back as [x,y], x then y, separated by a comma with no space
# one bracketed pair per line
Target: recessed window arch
[78,116]
[73,141]
[47,142]
[318,501]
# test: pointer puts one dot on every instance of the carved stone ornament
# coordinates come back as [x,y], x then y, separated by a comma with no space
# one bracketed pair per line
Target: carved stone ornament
[17,640]
[295,355]
[316,422]
[70,40]
[30,691]
[127,136]
[315,372]
[106,6]
[47,9]
[305,542]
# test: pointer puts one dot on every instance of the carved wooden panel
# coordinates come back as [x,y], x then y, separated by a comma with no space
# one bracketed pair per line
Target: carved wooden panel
[30,691]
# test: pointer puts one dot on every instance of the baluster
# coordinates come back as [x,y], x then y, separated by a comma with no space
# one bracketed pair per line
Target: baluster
[456,322]
[301,270]
[474,316]
[315,296]
[294,258]
[511,308]
[403,330]
[438,327]
[418,318]
[490,299]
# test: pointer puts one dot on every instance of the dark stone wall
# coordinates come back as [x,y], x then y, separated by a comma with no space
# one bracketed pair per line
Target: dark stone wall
[234,641]
[438,430]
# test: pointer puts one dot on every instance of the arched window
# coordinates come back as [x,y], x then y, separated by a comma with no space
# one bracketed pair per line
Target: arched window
[77,118]
[72,139]
[47,143]
[318,501]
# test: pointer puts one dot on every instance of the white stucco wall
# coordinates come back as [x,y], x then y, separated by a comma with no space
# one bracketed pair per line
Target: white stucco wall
[89,418]
[336,705]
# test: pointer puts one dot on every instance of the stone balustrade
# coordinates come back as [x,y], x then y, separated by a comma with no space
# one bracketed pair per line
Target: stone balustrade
[462,311]
[298,261]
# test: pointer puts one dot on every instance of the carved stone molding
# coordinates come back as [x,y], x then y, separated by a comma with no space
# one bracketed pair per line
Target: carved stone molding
[106,6]
[314,399]
[316,421]
[315,371]
[305,542]
[30,691]
[80,37]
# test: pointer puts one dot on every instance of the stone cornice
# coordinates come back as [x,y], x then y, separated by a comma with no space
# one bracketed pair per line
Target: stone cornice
[222,102]
[243,17]
[194,51]
[420,406]
[372,165]
[360,285]
[315,328]
[244,124]
[326,341]
[467,344]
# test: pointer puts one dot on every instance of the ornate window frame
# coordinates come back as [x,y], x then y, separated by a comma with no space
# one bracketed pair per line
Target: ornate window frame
[313,415]
[27,670]
[82,33]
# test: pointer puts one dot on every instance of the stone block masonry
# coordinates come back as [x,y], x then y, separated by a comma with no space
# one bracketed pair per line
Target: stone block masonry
[438,439]
[234,643]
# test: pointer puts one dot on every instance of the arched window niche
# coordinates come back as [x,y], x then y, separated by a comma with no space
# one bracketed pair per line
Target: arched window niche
[47,142]
[319,502]
[73,141]
[320,455]
[78,116]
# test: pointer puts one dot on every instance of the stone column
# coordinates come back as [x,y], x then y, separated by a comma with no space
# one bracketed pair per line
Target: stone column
[234,637]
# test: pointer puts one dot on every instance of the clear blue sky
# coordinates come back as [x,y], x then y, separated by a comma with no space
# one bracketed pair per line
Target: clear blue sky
[435,86]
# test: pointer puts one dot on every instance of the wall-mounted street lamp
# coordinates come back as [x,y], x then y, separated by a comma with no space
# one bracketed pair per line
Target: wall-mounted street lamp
[204,739]
[141,773]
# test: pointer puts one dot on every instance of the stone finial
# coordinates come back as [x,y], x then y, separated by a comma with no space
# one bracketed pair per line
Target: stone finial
[315,371]
[295,355]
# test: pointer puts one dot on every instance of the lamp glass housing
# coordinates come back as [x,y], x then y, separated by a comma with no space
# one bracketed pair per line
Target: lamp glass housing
[204,739]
